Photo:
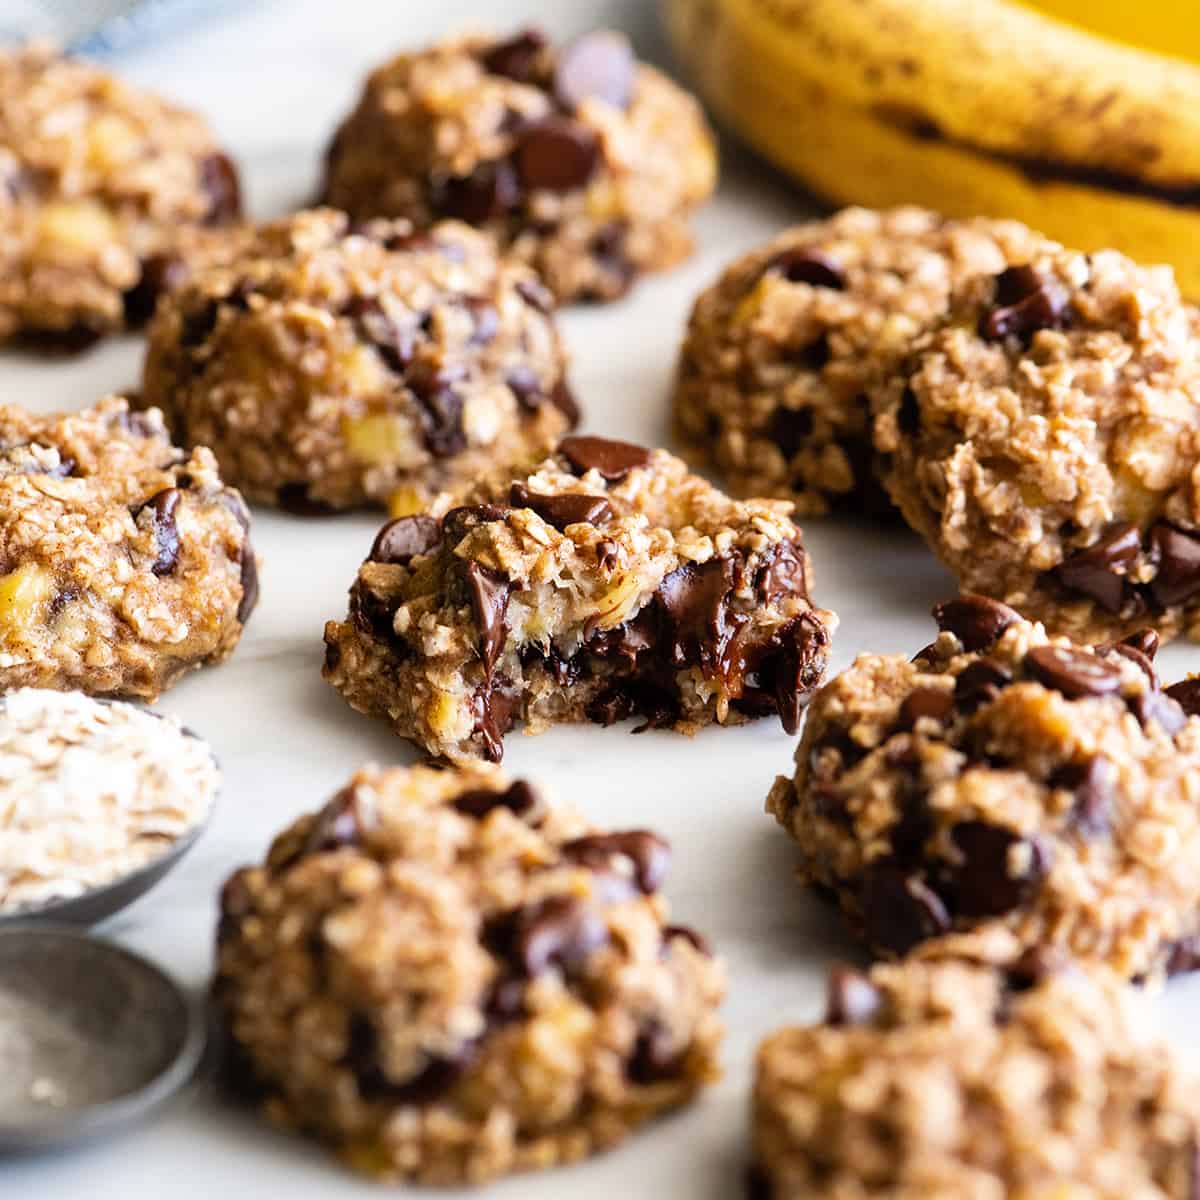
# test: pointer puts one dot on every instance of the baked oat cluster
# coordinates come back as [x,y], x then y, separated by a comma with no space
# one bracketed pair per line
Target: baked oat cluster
[609,582]
[948,1080]
[124,561]
[582,161]
[330,365]
[1009,788]
[1045,443]
[90,791]
[446,979]
[105,193]
[783,351]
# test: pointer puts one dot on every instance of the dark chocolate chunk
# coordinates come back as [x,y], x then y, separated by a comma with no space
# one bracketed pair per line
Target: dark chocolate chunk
[401,540]
[197,327]
[525,385]
[1024,303]
[519,798]
[982,883]
[393,342]
[930,703]
[517,57]
[340,823]
[1094,784]
[1178,575]
[573,508]
[248,560]
[597,66]
[432,1081]
[489,591]
[219,179]
[557,154]
[160,273]
[803,264]
[458,522]
[1186,693]
[649,854]
[1073,672]
[441,406]
[490,191]
[1144,640]
[610,706]
[162,508]
[799,652]
[496,707]
[560,931]
[694,600]
[612,460]
[1158,708]
[790,428]
[564,400]
[654,1058]
[899,910]
[782,573]
[1130,654]
[980,683]
[1101,570]
[850,997]
[975,620]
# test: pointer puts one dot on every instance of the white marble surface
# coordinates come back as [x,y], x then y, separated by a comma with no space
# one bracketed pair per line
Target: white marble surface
[273,79]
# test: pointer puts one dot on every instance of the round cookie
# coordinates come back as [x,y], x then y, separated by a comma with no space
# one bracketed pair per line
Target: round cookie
[948,1080]
[102,189]
[1008,785]
[782,351]
[447,980]
[124,562]
[334,366]
[582,161]
[1045,442]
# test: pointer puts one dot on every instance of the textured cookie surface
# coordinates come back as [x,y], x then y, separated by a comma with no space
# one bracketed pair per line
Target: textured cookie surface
[446,979]
[334,366]
[124,561]
[609,582]
[584,162]
[782,352]
[102,188]
[1006,784]
[1045,443]
[951,1081]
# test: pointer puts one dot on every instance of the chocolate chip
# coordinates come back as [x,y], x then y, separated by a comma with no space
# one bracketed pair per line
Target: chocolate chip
[557,154]
[980,683]
[573,508]
[496,707]
[506,1001]
[519,798]
[490,191]
[782,573]
[596,66]
[560,931]
[249,562]
[797,655]
[441,407]
[1133,655]
[197,327]
[1183,955]
[432,1081]
[1101,571]
[564,400]
[1094,784]
[1073,672]
[927,703]
[219,179]
[458,522]
[296,499]
[608,248]
[1152,707]
[899,910]
[611,460]
[162,507]
[850,997]
[694,599]
[488,591]
[654,1056]
[394,343]
[1145,641]
[401,540]
[1024,303]
[649,854]
[975,620]
[526,386]
[1178,575]
[517,57]
[982,884]
[340,823]
[807,265]
[160,273]
[1186,693]
[790,428]
[694,939]
[610,706]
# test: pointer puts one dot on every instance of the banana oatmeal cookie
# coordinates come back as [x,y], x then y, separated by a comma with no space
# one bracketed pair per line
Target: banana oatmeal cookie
[782,352]
[446,979]
[607,583]
[123,561]
[1041,792]
[582,161]
[334,366]
[948,1080]
[105,191]
[1046,442]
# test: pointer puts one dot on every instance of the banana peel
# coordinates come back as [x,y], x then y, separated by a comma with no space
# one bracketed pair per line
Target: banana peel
[977,108]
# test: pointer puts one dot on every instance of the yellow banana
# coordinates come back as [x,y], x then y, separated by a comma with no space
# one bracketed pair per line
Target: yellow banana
[965,106]
[1167,26]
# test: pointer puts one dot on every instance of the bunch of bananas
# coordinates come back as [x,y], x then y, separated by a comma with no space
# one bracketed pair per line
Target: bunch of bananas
[972,107]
